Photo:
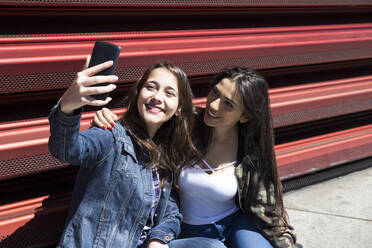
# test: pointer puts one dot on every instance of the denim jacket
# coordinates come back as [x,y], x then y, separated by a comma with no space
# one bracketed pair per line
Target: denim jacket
[113,191]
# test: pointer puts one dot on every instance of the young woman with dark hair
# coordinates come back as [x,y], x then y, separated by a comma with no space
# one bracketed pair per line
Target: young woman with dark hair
[232,192]
[122,195]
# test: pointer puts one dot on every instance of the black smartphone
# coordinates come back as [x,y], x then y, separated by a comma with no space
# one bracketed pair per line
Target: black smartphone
[102,52]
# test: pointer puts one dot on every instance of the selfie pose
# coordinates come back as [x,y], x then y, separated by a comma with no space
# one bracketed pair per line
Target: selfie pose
[232,193]
[122,195]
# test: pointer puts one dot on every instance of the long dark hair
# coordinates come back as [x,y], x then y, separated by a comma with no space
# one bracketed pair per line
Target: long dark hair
[172,145]
[257,133]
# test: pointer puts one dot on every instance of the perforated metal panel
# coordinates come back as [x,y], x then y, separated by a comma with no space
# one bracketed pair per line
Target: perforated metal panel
[28,165]
[40,81]
[198,66]
[189,3]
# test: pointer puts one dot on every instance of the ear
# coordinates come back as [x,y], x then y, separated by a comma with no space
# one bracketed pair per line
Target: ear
[243,119]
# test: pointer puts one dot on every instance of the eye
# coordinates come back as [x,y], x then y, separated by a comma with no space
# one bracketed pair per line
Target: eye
[229,104]
[170,93]
[149,86]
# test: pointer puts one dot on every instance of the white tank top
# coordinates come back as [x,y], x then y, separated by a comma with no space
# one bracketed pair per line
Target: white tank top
[207,198]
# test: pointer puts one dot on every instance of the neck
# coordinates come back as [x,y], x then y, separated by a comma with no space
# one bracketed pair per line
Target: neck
[151,134]
[223,134]
[151,131]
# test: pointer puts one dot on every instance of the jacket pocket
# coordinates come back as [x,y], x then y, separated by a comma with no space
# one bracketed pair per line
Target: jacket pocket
[123,188]
[127,166]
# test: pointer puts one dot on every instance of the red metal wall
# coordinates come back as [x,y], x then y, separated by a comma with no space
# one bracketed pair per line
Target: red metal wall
[316,56]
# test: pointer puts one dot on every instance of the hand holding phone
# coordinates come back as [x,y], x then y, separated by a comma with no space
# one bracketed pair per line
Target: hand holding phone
[100,73]
[102,52]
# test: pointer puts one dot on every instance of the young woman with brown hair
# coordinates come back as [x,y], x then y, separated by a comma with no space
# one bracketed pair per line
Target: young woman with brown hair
[232,192]
[122,195]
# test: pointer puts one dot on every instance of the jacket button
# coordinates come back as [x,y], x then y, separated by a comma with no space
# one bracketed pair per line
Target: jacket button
[167,238]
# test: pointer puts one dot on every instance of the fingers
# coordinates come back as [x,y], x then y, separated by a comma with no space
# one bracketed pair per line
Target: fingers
[87,60]
[89,81]
[97,122]
[114,117]
[107,123]
[88,100]
[104,119]
[109,116]
[97,68]
[88,91]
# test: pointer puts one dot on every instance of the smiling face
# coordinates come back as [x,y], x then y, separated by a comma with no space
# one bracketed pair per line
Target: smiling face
[224,106]
[158,99]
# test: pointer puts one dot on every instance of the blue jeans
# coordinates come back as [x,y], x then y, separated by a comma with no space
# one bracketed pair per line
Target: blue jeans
[196,242]
[234,231]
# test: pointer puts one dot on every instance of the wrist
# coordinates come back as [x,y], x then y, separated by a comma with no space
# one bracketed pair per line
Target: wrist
[65,108]
[67,111]
[155,243]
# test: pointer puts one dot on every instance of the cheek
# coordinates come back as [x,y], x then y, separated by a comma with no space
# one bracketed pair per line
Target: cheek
[234,117]
[140,101]
[173,105]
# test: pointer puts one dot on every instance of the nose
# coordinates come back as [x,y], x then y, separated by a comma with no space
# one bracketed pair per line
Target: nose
[157,96]
[215,104]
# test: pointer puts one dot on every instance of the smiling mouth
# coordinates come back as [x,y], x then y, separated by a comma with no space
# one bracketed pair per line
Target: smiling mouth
[153,108]
[212,115]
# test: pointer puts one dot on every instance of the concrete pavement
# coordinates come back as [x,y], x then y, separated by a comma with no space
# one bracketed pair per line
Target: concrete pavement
[336,213]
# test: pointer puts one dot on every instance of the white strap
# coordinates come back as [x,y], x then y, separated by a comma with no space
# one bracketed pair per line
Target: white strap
[214,169]
[205,162]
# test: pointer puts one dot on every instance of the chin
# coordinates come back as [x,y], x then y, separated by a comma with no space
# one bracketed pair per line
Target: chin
[149,121]
[155,121]
[210,123]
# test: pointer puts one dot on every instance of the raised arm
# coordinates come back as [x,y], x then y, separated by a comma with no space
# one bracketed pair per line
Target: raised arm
[68,145]
[65,142]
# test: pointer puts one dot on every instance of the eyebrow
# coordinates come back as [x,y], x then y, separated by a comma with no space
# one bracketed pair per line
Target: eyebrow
[226,98]
[152,81]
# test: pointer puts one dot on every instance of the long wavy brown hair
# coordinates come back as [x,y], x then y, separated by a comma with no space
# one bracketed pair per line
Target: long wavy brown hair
[172,145]
[256,135]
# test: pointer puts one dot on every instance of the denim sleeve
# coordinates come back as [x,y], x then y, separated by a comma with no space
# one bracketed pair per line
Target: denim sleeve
[68,145]
[170,226]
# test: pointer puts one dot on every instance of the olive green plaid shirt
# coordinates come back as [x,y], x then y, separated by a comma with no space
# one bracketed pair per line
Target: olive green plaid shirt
[258,200]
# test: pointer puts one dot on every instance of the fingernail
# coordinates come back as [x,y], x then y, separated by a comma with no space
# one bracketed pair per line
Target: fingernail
[112,124]
[104,128]
[110,128]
